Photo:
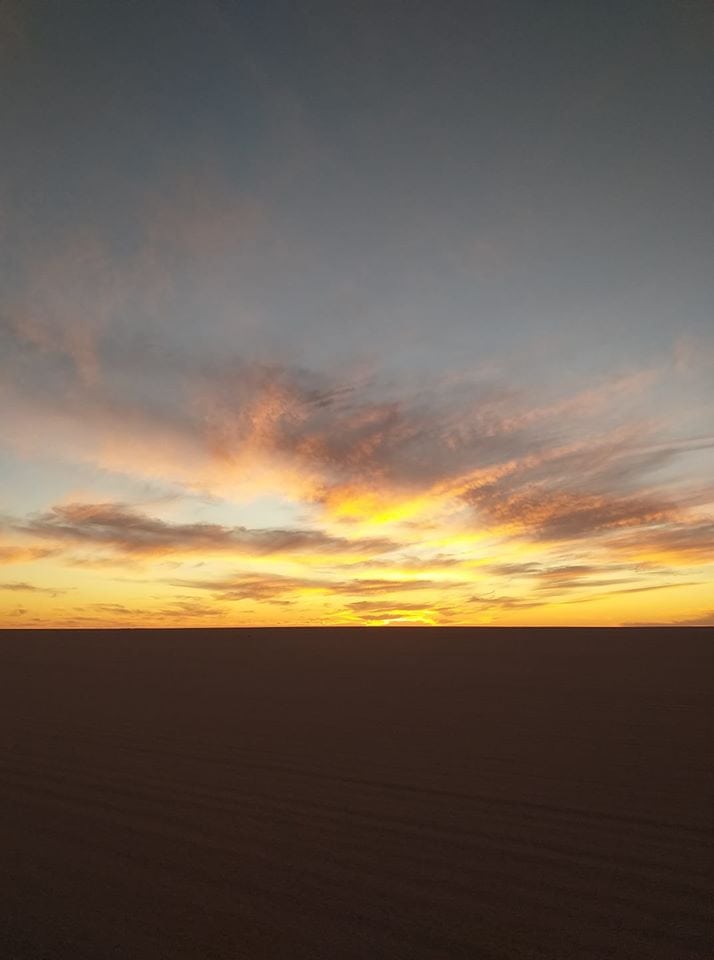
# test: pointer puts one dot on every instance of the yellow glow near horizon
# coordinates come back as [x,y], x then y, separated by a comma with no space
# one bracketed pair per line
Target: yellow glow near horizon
[58,595]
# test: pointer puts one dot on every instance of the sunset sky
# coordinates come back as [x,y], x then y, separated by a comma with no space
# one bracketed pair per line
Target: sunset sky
[371,313]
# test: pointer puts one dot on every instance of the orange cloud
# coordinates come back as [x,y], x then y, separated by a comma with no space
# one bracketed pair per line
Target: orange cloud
[268,587]
[22,587]
[68,304]
[119,527]
[11,554]
[687,541]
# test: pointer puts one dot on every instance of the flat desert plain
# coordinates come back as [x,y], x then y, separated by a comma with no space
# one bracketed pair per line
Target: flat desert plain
[354,793]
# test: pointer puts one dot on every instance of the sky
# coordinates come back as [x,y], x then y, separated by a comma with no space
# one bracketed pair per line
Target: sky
[379,313]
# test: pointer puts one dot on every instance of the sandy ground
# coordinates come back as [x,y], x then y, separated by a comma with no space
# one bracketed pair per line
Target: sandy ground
[356,794]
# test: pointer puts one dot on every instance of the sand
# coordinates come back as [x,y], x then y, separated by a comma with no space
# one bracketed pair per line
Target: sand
[337,794]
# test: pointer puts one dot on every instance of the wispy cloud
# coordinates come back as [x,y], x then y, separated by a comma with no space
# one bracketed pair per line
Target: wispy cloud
[689,541]
[12,554]
[119,527]
[493,601]
[267,587]
[704,619]
[21,587]
[336,440]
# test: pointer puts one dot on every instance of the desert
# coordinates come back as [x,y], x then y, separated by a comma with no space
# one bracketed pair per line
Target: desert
[355,793]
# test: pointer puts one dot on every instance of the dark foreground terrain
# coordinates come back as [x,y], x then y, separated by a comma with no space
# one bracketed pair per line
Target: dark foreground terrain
[356,794]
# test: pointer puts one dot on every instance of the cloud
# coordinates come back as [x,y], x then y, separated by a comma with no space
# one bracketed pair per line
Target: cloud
[378,607]
[185,609]
[551,583]
[647,588]
[268,587]
[409,564]
[12,554]
[370,612]
[376,585]
[343,440]
[264,587]
[576,491]
[690,541]
[581,576]
[544,515]
[30,588]
[348,439]
[68,304]
[492,601]
[526,569]
[705,619]
[128,531]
